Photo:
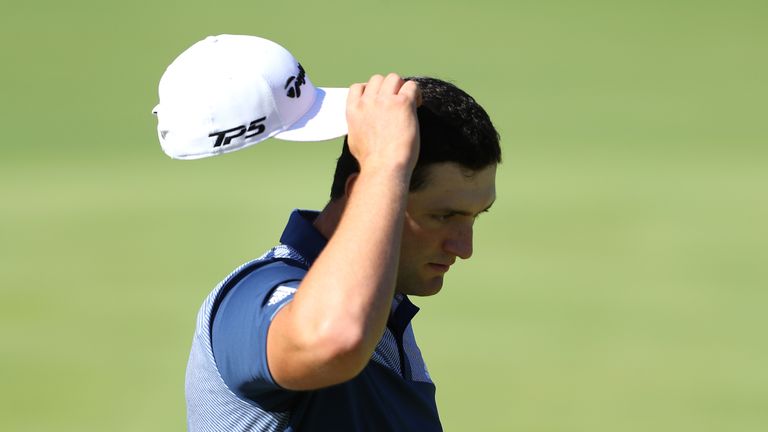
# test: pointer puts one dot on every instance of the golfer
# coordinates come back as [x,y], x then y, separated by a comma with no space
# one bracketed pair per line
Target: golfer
[316,334]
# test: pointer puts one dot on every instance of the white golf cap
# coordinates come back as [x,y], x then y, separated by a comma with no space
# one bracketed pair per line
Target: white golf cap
[228,92]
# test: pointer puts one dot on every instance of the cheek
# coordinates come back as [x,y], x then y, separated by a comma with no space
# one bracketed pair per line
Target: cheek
[413,232]
[418,239]
[410,237]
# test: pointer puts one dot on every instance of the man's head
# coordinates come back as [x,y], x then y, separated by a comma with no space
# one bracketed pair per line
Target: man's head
[452,183]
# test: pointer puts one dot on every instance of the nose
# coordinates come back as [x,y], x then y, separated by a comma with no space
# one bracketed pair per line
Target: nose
[460,243]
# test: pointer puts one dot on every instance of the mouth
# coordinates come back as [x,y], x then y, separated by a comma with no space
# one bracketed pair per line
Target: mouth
[440,268]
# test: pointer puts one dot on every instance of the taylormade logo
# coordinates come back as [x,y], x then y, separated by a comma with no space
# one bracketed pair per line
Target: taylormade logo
[295,83]
[225,137]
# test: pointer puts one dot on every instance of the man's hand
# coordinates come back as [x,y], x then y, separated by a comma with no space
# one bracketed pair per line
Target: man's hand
[383,127]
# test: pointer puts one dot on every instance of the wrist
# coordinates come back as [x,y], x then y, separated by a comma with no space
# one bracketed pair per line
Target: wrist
[395,173]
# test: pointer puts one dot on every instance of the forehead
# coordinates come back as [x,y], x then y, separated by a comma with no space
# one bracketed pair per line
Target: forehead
[451,186]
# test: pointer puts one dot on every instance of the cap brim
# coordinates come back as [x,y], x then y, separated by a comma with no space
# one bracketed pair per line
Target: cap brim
[327,119]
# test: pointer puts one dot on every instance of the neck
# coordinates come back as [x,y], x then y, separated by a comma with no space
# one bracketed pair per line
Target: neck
[328,219]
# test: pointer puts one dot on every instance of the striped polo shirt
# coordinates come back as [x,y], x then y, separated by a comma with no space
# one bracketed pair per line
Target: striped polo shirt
[229,386]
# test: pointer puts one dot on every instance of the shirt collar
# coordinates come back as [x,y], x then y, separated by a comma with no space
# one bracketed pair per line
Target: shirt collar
[301,234]
[401,314]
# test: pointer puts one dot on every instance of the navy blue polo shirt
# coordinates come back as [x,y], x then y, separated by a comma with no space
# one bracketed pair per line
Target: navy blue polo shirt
[394,392]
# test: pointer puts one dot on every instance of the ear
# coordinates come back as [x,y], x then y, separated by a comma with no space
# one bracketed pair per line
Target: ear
[349,184]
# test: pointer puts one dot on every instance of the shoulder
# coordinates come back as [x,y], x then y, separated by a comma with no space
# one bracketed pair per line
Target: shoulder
[271,273]
[254,282]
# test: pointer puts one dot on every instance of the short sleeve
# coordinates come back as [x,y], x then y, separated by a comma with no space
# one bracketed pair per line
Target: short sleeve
[239,334]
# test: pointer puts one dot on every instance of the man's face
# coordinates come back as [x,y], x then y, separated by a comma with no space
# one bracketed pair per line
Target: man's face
[438,224]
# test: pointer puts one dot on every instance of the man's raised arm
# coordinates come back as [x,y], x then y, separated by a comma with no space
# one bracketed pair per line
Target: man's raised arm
[327,333]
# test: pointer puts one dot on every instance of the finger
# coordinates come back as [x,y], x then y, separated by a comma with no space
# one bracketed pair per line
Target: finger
[412,91]
[373,85]
[392,84]
[355,93]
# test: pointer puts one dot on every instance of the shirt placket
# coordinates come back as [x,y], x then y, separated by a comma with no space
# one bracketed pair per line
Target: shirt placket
[397,324]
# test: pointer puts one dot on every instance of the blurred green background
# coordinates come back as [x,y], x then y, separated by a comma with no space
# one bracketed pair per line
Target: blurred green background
[619,284]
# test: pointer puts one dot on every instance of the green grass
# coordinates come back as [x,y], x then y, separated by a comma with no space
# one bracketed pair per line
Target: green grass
[619,284]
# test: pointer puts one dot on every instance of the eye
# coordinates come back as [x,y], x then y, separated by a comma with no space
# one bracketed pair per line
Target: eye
[442,217]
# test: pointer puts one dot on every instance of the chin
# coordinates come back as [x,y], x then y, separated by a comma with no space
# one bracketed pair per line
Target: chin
[431,293]
[427,288]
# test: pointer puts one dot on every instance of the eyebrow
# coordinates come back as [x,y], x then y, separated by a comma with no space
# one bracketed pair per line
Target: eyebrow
[465,213]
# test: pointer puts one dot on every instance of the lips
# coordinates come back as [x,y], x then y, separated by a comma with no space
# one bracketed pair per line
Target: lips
[442,268]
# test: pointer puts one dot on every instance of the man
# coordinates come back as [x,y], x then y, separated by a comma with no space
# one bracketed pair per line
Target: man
[316,334]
